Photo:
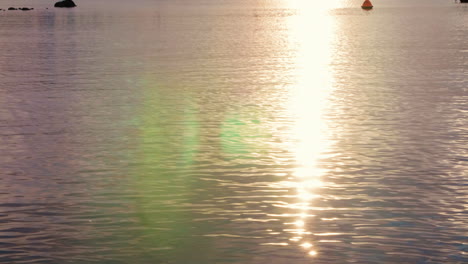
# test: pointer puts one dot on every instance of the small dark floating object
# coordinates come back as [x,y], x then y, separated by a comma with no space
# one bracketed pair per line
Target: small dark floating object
[12,8]
[65,3]
[463,1]
[25,8]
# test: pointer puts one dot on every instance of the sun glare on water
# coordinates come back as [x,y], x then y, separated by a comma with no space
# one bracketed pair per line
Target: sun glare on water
[310,34]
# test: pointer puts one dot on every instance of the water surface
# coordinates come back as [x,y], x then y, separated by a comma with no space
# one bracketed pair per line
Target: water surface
[234,132]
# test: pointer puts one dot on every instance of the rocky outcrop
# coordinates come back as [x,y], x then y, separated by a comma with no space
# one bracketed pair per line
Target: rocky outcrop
[65,3]
[19,8]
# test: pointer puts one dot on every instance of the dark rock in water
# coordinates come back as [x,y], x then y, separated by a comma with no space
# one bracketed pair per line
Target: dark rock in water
[19,8]
[65,3]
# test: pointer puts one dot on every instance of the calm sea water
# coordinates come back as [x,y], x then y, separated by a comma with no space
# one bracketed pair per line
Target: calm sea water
[211,132]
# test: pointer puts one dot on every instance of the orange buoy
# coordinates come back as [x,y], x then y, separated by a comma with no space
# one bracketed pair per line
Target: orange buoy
[367,5]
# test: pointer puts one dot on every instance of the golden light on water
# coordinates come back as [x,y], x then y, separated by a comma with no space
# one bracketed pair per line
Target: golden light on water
[306,245]
[310,37]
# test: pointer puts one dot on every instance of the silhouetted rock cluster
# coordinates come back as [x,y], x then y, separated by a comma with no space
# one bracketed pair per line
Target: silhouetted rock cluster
[19,8]
[65,3]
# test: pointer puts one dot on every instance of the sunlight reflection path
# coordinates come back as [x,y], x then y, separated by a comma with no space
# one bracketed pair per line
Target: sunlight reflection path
[310,36]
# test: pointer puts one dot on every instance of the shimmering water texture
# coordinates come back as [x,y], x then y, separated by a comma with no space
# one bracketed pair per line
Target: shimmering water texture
[250,132]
